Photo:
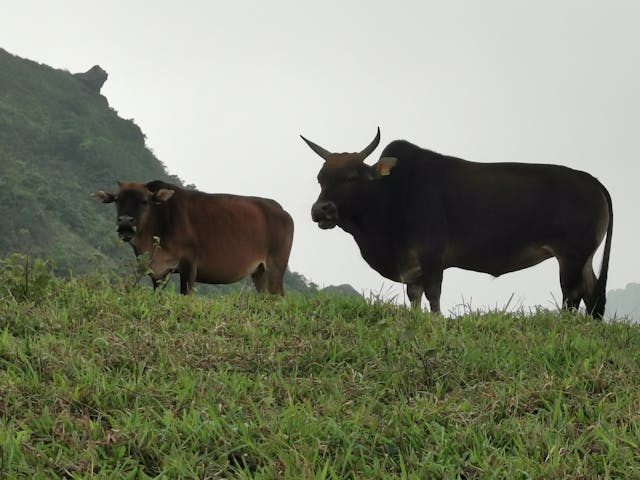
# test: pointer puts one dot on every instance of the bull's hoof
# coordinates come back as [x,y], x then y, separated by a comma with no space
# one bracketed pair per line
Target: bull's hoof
[239,460]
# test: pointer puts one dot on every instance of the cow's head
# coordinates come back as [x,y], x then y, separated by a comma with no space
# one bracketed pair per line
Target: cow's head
[133,202]
[342,178]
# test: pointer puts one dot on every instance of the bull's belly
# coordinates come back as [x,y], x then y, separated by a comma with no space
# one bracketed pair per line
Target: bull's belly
[402,267]
[405,267]
[497,262]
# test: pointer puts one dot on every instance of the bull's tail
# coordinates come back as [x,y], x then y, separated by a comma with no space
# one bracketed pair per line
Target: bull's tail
[600,290]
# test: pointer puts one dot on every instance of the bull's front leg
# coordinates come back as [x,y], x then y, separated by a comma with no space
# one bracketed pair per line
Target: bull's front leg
[414,292]
[432,272]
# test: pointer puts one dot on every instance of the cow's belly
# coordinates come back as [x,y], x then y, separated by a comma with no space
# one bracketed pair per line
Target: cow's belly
[229,267]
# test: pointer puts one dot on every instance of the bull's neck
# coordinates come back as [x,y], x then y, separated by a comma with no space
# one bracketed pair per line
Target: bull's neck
[368,218]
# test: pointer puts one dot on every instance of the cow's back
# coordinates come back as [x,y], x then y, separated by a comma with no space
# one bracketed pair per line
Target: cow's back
[226,236]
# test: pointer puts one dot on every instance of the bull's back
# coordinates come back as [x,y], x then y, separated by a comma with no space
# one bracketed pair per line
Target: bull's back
[526,212]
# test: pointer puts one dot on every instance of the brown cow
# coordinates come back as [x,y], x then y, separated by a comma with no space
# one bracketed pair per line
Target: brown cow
[208,238]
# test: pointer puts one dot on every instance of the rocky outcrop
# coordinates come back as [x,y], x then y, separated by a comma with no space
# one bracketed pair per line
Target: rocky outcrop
[93,78]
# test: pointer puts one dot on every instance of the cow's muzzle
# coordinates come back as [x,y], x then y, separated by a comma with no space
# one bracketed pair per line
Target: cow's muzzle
[126,227]
[325,214]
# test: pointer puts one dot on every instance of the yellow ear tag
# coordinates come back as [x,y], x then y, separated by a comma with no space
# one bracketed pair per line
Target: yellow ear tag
[384,165]
[384,170]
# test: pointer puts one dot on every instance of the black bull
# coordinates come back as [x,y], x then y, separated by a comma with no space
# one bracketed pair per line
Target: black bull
[417,212]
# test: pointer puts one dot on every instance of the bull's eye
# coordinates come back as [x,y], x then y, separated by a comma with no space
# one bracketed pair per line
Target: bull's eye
[351,176]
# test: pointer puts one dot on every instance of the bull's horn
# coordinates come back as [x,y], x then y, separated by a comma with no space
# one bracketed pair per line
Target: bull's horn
[317,148]
[372,146]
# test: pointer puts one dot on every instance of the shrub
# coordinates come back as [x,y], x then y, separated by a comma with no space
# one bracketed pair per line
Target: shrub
[25,278]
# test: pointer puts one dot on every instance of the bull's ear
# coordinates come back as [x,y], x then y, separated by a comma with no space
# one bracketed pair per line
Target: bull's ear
[163,195]
[384,166]
[104,197]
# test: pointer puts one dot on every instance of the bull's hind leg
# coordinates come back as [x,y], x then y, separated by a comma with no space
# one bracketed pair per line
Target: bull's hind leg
[571,282]
[259,277]
[589,281]
[414,292]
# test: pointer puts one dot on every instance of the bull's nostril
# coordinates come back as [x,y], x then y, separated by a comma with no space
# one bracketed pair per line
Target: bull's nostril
[323,211]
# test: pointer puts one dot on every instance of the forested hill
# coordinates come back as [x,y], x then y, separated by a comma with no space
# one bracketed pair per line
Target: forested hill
[60,141]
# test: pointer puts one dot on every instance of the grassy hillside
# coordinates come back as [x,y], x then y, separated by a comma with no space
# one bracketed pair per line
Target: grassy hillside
[107,381]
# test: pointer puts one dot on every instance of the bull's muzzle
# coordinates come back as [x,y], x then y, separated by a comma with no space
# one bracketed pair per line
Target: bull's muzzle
[325,214]
[126,227]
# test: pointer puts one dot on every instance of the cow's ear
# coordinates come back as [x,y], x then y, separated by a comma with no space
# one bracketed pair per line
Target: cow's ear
[104,197]
[163,195]
[384,166]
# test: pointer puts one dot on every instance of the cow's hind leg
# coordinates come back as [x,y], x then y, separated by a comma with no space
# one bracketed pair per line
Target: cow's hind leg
[276,269]
[259,277]
[275,276]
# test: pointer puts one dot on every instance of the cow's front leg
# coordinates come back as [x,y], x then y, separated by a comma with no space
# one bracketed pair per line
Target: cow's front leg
[160,282]
[188,272]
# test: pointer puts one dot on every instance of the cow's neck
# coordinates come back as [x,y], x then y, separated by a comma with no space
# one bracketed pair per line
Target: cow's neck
[148,237]
[150,240]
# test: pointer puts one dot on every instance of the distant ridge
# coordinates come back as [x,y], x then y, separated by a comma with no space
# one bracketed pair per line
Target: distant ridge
[625,302]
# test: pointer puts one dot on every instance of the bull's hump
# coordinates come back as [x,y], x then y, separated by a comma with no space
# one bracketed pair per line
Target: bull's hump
[340,160]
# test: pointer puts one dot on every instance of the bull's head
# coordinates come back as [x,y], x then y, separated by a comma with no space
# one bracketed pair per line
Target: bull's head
[342,178]
[133,202]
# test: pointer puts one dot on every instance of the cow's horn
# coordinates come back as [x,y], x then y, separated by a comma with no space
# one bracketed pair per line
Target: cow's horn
[317,148]
[372,146]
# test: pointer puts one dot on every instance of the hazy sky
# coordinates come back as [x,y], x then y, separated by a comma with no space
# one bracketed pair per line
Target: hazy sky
[223,89]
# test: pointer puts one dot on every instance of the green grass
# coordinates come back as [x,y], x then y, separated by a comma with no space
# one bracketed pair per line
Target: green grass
[100,381]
